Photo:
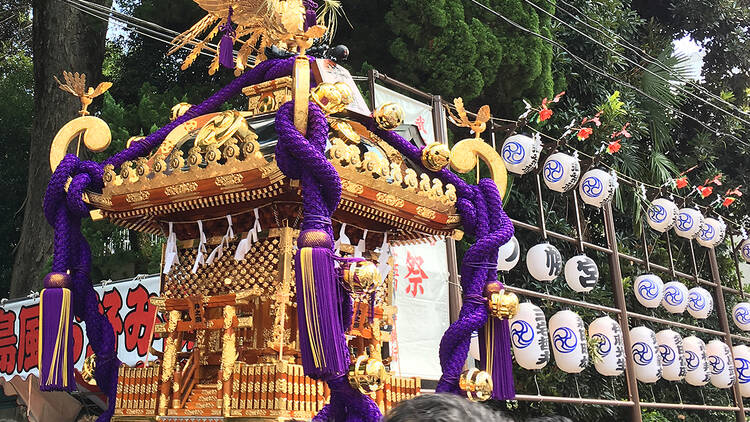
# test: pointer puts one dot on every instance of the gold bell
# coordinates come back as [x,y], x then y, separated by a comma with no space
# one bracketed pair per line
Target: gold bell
[502,304]
[436,156]
[89,367]
[367,375]
[332,98]
[476,384]
[389,116]
[362,277]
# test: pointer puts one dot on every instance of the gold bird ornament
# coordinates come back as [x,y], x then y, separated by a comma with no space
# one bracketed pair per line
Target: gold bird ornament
[75,83]
[477,126]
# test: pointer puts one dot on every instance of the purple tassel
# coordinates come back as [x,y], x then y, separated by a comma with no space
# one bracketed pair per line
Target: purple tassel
[496,358]
[56,341]
[324,355]
[226,46]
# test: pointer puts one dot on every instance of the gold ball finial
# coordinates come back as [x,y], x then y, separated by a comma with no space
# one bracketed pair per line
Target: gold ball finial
[362,277]
[88,370]
[367,375]
[503,304]
[476,384]
[436,156]
[332,98]
[389,116]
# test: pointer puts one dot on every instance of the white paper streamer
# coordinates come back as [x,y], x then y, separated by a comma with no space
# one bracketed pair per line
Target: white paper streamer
[170,251]
[343,239]
[200,258]
[360,248]
[385,254]
[252,236]
[219,250]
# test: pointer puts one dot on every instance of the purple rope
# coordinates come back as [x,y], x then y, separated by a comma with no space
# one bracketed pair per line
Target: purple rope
[311,17]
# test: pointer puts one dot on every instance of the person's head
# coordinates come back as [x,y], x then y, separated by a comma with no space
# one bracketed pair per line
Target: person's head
[442,408]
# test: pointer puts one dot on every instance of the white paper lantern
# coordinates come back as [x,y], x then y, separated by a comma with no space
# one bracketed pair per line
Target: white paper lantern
[675,297]
[529,337]
[720,364]
[695,361]
[742,368]
[741,315]
[561,172]
[700,303]
[521,153]
[712,233]
[508,255]
[745,250]
[649,290]
[568,337]
[581,273]
[544,262]
[689,223]
[662,214]
[645,354]
[672,355]
[610,347]
[597,187]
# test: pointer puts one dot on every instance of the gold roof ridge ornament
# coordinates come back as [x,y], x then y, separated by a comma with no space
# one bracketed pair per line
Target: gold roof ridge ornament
[75,83]
[465,155]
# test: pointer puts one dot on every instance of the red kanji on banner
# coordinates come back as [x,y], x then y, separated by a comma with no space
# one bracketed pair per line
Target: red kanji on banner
[77,339]
[110,307]
[420,124]
[139,322]
[415,274]
[8,340]
[28,344]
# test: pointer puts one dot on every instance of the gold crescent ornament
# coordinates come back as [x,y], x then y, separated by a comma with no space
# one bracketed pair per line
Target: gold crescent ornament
[465,157]
[93,131]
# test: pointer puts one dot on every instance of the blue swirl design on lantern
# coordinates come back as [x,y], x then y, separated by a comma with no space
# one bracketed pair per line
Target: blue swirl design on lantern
[717,364]
[684,221]
[592,186]
[521,334]
[707,233]
[513,152]
[603,344]
[553,171]
[742,365]
[696,301]
[565,340]
[667,354]
[648,289]
[742,315]
[657,213]
[673,296]
[642,353]
[746,251]
[691,360]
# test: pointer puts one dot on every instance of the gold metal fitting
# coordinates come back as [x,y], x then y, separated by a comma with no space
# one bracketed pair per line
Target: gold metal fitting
[476,384]
[179,109]
[436,156]
[367,375]
[389,116]
[503,304]
[222,128]
[362,277]
[332,98]
[88,370]
[133,139]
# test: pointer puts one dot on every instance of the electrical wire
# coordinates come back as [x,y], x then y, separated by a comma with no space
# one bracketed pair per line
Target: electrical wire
[603,73]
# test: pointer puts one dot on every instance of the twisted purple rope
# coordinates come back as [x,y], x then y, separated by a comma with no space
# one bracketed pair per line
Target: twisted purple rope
[482,216]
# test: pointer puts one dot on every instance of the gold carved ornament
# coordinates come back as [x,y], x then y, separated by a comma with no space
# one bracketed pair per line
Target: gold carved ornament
[367,375]
[476,384]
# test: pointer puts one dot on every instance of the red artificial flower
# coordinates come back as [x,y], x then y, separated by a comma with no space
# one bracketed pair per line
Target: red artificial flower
[544,114]
[735,191]
[584,133]
[705,191]
[614,147]
[681,182]
[728,201]
[716,180]
[557,97]
[622,132]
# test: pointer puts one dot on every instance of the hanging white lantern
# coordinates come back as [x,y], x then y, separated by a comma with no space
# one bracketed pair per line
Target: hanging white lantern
[508,255]
[712,233]
[675,297]
[720,363]
[672,355]
[610,347]
[561,172]
[528,335]
[745,250]
[597,187]
[649,290]
[662,214]
[581,273]
[700,303]
[742,368]
[695,361]
[568,336]
[521,153]
[741,315]
[689,223]
[645,354]
[544,262]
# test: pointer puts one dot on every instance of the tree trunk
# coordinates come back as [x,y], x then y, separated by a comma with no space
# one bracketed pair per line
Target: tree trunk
[64,38]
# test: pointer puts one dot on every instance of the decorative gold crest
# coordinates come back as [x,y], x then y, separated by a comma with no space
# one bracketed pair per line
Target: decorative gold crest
[75,83]
[478,126]
[476,384]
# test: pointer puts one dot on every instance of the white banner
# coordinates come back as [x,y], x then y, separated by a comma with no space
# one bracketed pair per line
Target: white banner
[415,112]
[421,299]
[126,304]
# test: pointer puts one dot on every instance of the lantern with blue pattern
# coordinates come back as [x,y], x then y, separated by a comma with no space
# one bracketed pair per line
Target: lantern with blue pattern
[561,172]
[700,303]
[521,153]
[568,337]
[528,336]
[695,361]
[597,187]
[649,290]
[675,297]
[741,315]
[720,363]
[610,348]
[689,223]
[745,250]
[672,355]
[742,368]
[645,354]
[662,214]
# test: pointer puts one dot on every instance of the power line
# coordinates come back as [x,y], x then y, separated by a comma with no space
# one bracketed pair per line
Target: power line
[603,73]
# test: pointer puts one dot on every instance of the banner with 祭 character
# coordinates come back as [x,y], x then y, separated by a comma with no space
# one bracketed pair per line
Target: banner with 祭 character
[126,305]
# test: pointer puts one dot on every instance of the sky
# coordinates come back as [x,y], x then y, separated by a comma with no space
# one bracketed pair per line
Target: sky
[691,49]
